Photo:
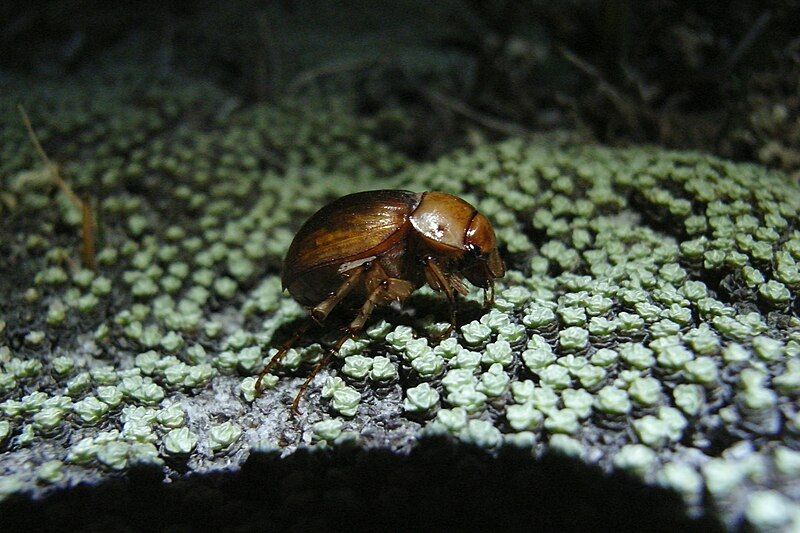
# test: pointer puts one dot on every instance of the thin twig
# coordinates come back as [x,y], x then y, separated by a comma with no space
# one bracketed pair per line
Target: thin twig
[87,221]
[70,263]
[571,107]
[51,167]
[628,112]
[87,234]
[752,34]
[308,76]
[271,62]
[457,106]
[34,139]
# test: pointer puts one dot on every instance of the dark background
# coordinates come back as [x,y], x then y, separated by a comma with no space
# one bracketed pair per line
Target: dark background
[701,75]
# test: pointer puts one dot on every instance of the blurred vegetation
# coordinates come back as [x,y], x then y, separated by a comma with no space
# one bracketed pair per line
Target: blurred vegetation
[714,76]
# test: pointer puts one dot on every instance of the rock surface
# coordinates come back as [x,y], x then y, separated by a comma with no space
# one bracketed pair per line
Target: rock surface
[648,321]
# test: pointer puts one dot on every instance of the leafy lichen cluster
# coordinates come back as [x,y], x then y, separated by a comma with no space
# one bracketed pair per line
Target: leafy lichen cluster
[648,321]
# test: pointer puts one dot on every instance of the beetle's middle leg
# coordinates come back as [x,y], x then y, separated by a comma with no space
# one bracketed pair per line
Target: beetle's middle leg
[384,291]
[440,282]
[321,311]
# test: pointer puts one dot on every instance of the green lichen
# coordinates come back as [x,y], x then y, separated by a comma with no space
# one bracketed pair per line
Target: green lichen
[649,305]
[180,441]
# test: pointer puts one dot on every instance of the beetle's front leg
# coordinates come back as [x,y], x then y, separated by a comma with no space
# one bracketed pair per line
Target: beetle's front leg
[488,295]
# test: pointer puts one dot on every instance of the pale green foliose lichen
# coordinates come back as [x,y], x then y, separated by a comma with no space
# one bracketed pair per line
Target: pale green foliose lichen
[648,321]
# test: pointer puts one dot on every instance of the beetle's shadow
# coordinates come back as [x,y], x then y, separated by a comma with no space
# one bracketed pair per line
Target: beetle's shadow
[420,306]
[439,485]
[417,307]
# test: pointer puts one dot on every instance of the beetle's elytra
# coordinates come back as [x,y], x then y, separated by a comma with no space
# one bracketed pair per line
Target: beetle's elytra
[371,248]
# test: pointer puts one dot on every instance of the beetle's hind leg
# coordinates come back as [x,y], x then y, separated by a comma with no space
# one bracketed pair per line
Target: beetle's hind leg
[282,352]
[318,314]
[386,291]
[319,366]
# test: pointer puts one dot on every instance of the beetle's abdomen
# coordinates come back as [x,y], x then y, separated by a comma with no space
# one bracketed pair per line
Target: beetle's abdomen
[352,227]
[314,286]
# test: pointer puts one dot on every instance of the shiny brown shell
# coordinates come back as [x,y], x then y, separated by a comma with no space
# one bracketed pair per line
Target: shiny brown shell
[375,248]
[396,228]
[353,227]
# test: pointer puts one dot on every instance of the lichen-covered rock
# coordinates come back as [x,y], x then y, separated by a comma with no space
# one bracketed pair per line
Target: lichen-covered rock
[648,321]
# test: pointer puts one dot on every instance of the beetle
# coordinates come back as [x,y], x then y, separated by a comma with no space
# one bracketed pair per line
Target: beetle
[373,248]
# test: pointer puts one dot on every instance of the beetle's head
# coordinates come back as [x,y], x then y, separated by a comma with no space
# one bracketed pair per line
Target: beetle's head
[481,263]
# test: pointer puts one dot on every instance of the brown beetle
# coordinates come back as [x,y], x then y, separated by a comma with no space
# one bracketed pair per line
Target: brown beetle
[372,248]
